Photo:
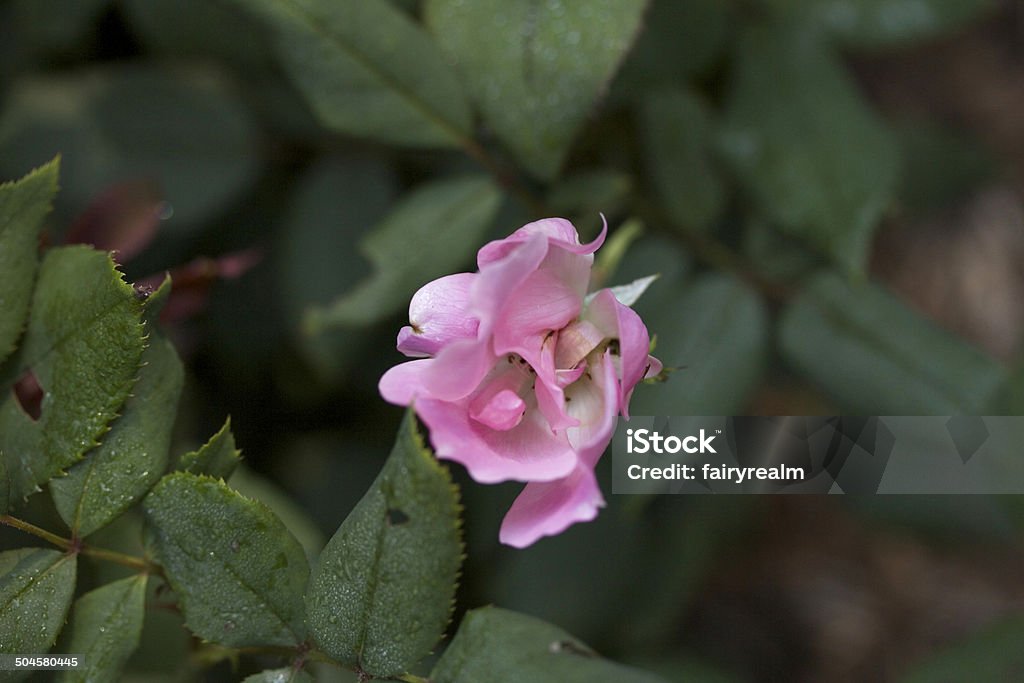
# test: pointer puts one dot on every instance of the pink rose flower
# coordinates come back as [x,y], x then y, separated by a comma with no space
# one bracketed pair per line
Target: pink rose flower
[522,375]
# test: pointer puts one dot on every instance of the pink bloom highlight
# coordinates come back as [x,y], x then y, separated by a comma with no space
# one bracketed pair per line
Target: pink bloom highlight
[520,377]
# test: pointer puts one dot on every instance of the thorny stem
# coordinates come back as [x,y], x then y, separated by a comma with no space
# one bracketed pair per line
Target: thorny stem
[76,546]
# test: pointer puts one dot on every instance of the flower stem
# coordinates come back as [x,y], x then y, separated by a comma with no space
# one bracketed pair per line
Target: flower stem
[139,563]
[22,525]
[76,546]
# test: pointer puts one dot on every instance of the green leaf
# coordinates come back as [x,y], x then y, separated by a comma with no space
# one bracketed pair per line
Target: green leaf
[133,455]
[676,128]
[806,147]
[240,573]
[535,69]
[717,335]
[23,206]
[683,541]
[498,645]
[878,357]
[197,28]
[36,587]
[37,29]
[217,458]
[586,194]
[994,654]
[83,343]
[182,128]
[332,204]
[252,485]
[155,300]
[686,667]
[166,646]
[286,675]
[381,594]
[881,23]
[105,629]
[778,256]
[430,233]
[368,69]
[679,40]
[650,254]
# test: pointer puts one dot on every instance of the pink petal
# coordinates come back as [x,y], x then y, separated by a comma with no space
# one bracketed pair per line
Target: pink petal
[566,377]
[621,322]
[500,280]
[439,314]
[501,412]
[540,304]
[575,341]
[458,369]
[539,353]
[402,383]
[558,229]
[551,403]
[497,403]
[654,367]
[559,232]
[527,452]
[547,509]
[594,402]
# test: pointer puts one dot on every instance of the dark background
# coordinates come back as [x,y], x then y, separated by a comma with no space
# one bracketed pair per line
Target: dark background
[182,137]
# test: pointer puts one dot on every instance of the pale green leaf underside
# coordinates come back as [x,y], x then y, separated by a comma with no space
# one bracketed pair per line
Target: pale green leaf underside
[535,69]
[428,234]
[498,645]
[105,630]
[240,573]
[367,69]
[36,586]
[133,455]
[628,294]
[381,593]
[83,343]
[23,206]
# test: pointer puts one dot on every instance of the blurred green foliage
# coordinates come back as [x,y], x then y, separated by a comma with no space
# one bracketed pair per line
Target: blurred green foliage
[366,147]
